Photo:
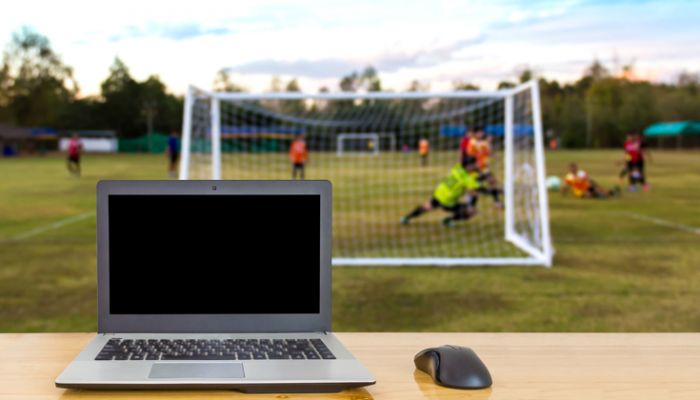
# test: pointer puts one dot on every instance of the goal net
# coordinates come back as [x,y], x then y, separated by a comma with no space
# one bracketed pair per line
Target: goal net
[412,142]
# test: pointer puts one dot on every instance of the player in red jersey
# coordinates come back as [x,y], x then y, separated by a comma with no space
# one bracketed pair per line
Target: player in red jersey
[635,152]
[75,147]
[464,144]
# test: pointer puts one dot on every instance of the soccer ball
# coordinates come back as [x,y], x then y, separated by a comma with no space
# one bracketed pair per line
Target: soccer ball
[553,183]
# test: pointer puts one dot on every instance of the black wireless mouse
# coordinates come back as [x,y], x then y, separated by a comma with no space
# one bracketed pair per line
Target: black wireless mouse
[454,366]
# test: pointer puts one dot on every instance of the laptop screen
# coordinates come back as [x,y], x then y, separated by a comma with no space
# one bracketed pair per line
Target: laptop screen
[214,254]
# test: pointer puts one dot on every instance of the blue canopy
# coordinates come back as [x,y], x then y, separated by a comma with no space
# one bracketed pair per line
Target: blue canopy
[673,128]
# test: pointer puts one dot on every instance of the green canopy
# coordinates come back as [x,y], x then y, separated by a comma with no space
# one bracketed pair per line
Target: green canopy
[673,128]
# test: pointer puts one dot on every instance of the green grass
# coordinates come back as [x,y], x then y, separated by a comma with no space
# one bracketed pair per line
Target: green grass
[614,271]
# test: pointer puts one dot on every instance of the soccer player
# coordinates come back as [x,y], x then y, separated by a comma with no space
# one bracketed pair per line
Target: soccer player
[173,152]
[635,152]
[479,147]
[463,179]
[464,144]
[298,155]
[75,147]
[423,150]
[580,184]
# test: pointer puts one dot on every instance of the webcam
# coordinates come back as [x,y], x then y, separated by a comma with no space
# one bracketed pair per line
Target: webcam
[213,188]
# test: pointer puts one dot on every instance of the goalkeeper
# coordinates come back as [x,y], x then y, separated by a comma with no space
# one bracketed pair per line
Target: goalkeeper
[463,179]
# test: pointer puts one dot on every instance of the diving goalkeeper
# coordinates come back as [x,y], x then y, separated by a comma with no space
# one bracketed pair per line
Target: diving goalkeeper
[463,179]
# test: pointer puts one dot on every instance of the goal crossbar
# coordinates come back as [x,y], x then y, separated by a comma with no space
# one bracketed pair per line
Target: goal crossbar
[351,95]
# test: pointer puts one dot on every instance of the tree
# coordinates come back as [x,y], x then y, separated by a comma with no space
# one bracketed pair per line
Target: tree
[370,79]
[161,110]
[505,85]
[121,105]
[637,109]
[223,82]
[349,83]
[82,113]
[526,75]
[603,101]
[460,85]
[689,82]
[37,85]
[596,71]
[276,84]
[418,86]
[292,86]
[5,84]
[134,108]
[367,80]
[295,107]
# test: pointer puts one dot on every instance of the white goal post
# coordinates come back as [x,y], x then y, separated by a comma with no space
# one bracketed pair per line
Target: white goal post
[248,136]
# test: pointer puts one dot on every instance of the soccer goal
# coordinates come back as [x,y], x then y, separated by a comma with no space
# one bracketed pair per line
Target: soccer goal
[248,136]
[365,143]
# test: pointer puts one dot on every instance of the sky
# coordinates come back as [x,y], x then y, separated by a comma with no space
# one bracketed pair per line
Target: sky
[436,42]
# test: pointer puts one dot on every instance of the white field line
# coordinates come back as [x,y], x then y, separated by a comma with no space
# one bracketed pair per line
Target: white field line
[659,221]
[53,225]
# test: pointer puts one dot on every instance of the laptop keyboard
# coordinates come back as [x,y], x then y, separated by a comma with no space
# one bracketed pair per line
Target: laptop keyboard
[215,349]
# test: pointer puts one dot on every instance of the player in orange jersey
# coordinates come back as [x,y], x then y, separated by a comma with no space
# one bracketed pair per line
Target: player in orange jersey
[479,148]
[423,150]
[298,155]
[582,186]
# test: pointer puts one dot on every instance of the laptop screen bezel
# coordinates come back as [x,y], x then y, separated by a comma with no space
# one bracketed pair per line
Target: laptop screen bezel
[212,323]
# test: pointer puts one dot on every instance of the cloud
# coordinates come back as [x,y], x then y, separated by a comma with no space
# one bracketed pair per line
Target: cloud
[172,31]
[324,68]
[334,67]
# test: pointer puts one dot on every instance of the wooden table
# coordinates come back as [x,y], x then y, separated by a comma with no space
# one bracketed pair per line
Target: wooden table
[524,366]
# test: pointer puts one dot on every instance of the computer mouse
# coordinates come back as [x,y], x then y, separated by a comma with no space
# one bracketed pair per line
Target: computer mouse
[454,366]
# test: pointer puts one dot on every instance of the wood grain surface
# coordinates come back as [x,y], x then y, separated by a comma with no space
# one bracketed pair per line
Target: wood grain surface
[523,365]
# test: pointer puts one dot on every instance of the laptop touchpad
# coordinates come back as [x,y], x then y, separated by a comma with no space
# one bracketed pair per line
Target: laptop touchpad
[196,370]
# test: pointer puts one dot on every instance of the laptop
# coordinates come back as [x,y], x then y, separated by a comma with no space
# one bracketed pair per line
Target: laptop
[214,284]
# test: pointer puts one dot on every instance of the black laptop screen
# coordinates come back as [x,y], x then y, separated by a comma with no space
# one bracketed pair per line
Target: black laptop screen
[214,254]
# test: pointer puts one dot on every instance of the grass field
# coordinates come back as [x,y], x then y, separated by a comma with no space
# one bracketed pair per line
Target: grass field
[629,264]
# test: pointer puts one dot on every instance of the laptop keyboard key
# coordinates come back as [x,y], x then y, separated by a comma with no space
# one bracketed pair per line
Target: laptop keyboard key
[214,349]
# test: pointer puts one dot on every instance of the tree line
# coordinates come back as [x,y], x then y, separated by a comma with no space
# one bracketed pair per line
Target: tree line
[38,89]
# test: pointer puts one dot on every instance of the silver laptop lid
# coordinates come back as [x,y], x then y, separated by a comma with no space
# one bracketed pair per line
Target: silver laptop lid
[214,256]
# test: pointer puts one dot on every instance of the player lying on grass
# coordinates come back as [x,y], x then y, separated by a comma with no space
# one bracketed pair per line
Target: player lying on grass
[479,147]
[579,183]
[463,180]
